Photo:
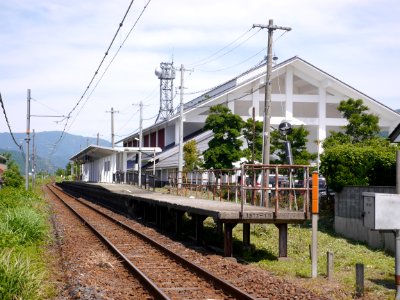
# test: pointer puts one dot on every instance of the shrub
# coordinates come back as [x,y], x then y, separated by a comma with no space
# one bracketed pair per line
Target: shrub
[359,164]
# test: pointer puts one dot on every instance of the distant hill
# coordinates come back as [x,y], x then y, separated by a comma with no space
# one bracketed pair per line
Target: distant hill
[397,110]
[44,144]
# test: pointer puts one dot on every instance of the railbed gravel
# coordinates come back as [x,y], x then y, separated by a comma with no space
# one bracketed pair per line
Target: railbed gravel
[86,270]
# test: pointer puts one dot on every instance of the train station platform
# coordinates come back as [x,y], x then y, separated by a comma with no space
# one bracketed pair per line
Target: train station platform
[159,207]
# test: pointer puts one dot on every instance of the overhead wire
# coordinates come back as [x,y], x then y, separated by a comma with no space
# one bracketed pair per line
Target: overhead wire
[94,75]
[97,70]
[211,58]
[9,127]
[112,60]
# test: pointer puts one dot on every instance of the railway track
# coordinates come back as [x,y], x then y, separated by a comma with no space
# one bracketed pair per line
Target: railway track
[165,274]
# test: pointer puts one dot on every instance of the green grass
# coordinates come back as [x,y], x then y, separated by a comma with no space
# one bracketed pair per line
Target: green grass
[378,265]
[24,233]
[20,277]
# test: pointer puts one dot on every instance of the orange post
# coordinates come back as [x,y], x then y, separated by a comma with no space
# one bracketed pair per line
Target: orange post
[314,194]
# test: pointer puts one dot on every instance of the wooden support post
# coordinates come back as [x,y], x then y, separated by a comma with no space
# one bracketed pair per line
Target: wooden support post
[329,265]
[199,229]
[283,229]
[359,280]
[228,241]
[246,235]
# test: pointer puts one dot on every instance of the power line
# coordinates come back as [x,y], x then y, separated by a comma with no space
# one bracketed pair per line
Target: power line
[212,57]
[108,66]
[235,65]
[9,127]
[97,70]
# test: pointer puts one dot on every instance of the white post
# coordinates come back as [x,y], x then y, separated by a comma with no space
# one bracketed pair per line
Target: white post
[28,125]
[140,146]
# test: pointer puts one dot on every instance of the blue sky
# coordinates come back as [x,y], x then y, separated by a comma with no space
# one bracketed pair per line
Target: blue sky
[54,48]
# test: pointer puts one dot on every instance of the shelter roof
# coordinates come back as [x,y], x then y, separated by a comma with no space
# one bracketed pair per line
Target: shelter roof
[94,152]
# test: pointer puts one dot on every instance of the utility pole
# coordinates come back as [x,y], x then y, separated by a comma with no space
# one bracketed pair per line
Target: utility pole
[267,101]
[33,159]
[97,143]
[112,124]
[140,144]
[28,129]
[180,157]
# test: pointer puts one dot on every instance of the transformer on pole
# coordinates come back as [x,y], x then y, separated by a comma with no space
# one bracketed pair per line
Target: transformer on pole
[166,74]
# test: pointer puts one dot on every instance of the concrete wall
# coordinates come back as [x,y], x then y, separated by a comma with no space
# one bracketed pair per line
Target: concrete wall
[348,217]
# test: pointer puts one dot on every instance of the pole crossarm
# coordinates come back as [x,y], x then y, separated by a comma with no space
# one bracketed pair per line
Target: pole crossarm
[48,116]
[272,27]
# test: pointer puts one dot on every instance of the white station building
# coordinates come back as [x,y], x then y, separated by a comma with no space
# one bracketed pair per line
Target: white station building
[106,164]
[302,94]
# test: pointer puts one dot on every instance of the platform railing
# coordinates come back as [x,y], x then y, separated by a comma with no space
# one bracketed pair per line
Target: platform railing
[280,187]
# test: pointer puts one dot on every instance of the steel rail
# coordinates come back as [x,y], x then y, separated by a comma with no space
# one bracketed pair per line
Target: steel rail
[226,286]
[153,288]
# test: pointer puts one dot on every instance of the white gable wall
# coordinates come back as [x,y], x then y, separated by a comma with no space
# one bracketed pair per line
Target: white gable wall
[100,170]
[301,94]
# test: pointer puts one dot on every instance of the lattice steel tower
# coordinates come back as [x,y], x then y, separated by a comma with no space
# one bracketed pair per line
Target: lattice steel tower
[166,74]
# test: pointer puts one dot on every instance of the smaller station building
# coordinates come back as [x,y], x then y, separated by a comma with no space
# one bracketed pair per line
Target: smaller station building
[110,165]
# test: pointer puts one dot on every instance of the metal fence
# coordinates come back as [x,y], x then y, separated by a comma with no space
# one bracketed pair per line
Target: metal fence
[273,186]
[148,181]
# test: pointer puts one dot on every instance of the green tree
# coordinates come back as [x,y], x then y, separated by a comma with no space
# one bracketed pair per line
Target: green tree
[191,156]
[298,140]
[361,125]
[60,172]
[252,132]
[358,156]
[224,147]
[12,176]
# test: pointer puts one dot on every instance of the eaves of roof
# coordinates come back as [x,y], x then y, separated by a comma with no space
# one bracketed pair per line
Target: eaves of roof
[394,136]
[231,84]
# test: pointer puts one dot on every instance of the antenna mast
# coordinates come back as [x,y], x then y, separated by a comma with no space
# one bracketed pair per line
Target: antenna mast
[166,74]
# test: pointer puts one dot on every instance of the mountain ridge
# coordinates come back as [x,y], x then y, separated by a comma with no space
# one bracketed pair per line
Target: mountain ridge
[44,145]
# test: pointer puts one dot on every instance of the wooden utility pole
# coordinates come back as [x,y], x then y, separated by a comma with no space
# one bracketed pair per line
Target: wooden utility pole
[267,103]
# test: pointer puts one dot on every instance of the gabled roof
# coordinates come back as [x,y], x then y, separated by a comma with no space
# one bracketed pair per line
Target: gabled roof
[252,74]
[394,137]
[169,158]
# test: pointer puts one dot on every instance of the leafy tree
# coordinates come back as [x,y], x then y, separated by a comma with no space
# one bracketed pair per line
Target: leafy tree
[60,172]
[358,156]
[12,176]
[252,132]
[361,125]
[224,147]
[191,156]
[298,140]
